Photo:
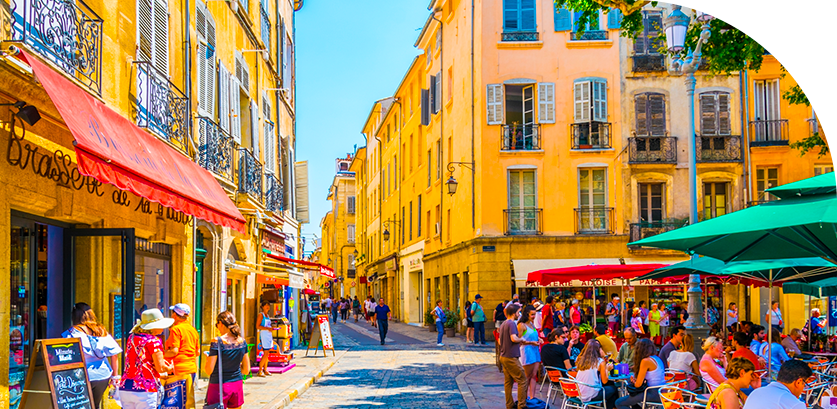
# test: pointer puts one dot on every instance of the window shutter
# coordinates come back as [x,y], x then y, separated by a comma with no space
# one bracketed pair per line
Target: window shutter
[145,30]
[254,129]
[350,205]
[161,36]
[576,17]
[758,100]
[280,49]
[200,19]
[581,100]
[269,142]
[546,103]
[708,114]
[528,21]
[224,98]
[511,15]
[209,63]
[640,43]
[562,20]
[438,38]
[494,104]
[724,126]
[202,72]
[432,94]
[425,107]
[614,19]
[438,106]
[657,110]
[600,101]
[654,27]
[235,104]
[641,109]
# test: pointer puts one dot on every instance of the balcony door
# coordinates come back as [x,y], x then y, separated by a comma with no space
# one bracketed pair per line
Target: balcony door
[766,114]
[520,116]
[715,199]
[651,203]
[523,201]
[765,179]
[592,200]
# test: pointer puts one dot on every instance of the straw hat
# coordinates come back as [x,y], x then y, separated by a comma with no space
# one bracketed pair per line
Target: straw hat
[153,319]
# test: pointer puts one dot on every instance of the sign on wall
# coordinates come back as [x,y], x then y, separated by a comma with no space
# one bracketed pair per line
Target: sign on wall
[832,311]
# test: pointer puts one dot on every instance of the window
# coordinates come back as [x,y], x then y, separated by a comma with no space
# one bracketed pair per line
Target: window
[410,235]
[714,199]
[436,231]
[650,114]
[523,201]
[427,56]
[651,203]
[592,199]
[425,107]
[447,226]
[350,266]
[592,31]
[434,94]
[429,171]
[410,153]
[590,127]
[647,41]
[439,159]
[439,38]
[418,218]
[818,170]
[269,137]
[350,205]
[765,179]
[427,235]
[153,32]
[766,114]
[205,56]
[350,233]
[519,15]
[403,213]
[520,131]
[714,113]
[450,83]
[437,106]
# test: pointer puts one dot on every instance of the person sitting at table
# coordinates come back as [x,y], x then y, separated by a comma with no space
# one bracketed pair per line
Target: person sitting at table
[592,375]
[817,323]
[790,343]
[605,342]
[555,353]
[637,322]
[757,335]
[774,353]
[677,333]
[626,351]
[729,394]
[785,392]
[651,370]
[684,360]
[575,344]
[713,363]
[740,341]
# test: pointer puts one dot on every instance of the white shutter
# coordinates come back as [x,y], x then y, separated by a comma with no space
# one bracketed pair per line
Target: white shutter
[494,104]
[235,114]
[161,36]
[438,92]
[269,137]
[224,97]
[350,205]
[546,103]
[254,129]
[581,101]
[145,30]
[350,236]
[758,100]
[600,101]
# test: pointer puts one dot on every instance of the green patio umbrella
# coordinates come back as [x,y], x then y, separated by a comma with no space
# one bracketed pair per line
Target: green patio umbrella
[820,288]
[816,185]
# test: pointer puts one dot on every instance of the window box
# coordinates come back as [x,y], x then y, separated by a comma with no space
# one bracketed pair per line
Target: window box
[520,36]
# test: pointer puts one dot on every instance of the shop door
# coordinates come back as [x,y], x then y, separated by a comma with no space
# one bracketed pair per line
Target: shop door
[102,264]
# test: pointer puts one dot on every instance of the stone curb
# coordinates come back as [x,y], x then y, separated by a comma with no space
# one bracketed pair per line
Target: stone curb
[465,390]
[300,387]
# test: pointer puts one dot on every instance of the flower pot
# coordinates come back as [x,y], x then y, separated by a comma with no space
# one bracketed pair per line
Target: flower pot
[432,327]
[450,332]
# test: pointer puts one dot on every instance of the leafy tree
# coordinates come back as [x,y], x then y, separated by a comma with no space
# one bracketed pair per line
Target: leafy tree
[742,35]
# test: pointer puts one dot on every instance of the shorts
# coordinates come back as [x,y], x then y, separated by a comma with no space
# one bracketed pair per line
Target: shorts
[470,324]
[233,394]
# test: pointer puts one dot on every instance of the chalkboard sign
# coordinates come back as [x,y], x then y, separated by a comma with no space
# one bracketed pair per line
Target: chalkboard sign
[57,376]
[116,307]
[71,389]
[65,353]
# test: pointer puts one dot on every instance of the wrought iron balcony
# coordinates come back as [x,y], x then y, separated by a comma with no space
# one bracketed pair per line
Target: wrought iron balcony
[273,194]
[589,35]
[519,36]
[67,33]
[769,133]
[652,149]
[649,63]
[249,174]
[594,220]
[518,137]
[161,107]
[265,29]
[523,221]
[645,229]
[726,148]
[216,149]
[823,39]
[591,135]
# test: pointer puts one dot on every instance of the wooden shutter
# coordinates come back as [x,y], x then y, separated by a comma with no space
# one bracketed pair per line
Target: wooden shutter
[242,72]
[600,101]
[724,125]
[425,107]
[528,20]
[563,20]
[235,105]
[269,138]
[494,104]
[708,114]
[432,94]
[161,36]
[641,110]
[280,50]
[145,30]
[254,129]
[546,103]
[657,111]
[203,106]
[224,98]
[300,193]
[438,106]
[209,59]
[653,27]
[511,15]
[350,205]
[581,101]
[614,19]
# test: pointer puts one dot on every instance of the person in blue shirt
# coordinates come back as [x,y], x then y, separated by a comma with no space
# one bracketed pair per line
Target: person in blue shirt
[784,393]
[757,334]
[439,313]
[382,315]
[775,353]
[478,317]
[818,323]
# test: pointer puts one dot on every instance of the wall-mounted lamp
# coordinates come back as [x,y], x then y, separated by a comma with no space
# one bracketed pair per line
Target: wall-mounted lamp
[386,227]
[452,184]
[27,113]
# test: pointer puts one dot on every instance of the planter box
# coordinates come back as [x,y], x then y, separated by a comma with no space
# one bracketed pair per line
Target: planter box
[432,327]
[450,332]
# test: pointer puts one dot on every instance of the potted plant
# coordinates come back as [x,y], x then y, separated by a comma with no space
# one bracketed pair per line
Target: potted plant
[586,332]
[451,319]
[430,320]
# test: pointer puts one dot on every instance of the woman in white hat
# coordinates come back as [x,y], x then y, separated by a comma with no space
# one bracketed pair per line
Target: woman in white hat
[140,385]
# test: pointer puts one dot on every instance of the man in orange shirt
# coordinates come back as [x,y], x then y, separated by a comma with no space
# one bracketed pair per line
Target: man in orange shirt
[182,349]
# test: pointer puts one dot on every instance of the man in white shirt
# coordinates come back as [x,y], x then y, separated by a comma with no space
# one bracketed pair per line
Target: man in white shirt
[785,392]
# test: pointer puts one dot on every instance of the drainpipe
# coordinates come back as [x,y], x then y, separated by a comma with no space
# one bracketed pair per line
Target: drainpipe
[441,124]
[473,121]
[745,102]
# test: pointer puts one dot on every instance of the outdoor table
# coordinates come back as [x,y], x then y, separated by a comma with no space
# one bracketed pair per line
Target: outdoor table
[621,382]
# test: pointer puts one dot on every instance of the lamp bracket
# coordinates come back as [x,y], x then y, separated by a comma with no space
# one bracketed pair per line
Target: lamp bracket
[388,221]
[452,168]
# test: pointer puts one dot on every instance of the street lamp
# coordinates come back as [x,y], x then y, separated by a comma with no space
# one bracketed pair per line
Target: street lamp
[452,183]
[386,235]
[386,228]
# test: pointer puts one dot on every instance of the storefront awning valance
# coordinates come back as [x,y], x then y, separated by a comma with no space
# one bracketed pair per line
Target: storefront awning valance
[271,279]
[522,268]
[326,271]
[113,150]
[591,273]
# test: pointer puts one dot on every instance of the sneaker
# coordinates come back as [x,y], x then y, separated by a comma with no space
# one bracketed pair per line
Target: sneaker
[440,344]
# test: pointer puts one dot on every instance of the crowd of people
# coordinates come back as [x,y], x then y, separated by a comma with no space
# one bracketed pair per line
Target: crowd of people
[376,313]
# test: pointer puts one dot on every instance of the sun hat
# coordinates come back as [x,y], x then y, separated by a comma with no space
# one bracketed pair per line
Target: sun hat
[181,309]
[153,319]
[538,305]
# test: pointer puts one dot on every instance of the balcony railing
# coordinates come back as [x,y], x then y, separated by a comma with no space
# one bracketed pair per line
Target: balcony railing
[521,137]
[161,106]
[249,174]
[644,229]
[769,133]
[68,33]
[718,148]
[216,149]
[823,39]
[589,35]
[594,220]
[265,29]
[273,194]
[519,36]
[591,135]
[523,221]
[649,63]
[652,149]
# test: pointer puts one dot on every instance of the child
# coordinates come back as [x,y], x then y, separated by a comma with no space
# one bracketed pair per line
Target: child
[636,322]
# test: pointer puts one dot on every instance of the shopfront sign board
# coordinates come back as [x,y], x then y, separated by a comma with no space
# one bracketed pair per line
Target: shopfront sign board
[139,278]
[832,311]
[321,332]
[57,376]
[116,308]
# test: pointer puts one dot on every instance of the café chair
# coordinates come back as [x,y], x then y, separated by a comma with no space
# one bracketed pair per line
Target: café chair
[674,397]
[553,375]
[572,398]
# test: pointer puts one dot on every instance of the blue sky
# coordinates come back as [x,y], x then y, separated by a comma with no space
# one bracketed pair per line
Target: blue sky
[349,53]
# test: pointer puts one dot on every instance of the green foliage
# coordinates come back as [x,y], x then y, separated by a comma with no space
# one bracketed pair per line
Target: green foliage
[810,143]
[451,318]
[585,328]
[795,96]
[429,319]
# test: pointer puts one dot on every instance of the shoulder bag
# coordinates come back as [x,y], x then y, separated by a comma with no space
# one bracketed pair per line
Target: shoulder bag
[220,404]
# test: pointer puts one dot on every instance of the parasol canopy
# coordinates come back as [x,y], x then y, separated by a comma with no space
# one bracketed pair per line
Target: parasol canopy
[817,185]
[590,273]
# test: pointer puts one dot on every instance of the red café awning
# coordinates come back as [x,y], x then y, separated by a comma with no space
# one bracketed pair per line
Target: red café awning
[590,273]
[113,150]
[326,271]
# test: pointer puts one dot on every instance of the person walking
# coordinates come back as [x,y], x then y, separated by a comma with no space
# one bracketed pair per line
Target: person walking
[235,362]
[344,309]
[612,311]
[654,318]
[575,313]
[335,308]
[469,332]
[265,344]
[327,306]
[382,316]
[182,349]
[478,316]
[732,316]
[356,307]
[370,310]
[439,313]
[510,343]
[139,387]
[99,348]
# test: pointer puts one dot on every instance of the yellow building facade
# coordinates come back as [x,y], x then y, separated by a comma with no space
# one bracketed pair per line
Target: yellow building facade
[339,233]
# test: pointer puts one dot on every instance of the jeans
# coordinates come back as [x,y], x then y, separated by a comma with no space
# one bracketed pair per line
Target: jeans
[440,330]
[334,314]
[626,402]
[383,326]
[479,332]
[513,373]
[608,394]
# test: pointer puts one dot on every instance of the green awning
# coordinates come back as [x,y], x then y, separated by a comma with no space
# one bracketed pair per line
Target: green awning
[821,288]
[796,269]
[817,185]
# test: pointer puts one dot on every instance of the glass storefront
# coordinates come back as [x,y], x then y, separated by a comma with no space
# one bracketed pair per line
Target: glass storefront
[152,277]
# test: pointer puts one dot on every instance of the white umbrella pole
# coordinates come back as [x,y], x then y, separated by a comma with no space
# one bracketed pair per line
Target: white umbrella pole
[770,327]
[810,326]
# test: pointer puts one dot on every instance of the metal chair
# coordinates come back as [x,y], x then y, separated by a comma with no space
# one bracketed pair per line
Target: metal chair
[673,397]
[554,376]
[572,397]
[652,405]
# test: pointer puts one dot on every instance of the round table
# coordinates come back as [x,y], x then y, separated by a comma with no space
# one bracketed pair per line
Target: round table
[621,382]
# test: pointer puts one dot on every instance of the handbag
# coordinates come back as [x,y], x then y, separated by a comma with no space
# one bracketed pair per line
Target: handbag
[633,390]
[220,404]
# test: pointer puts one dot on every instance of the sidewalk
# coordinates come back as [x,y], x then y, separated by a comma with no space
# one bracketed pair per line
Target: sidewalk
[482,388]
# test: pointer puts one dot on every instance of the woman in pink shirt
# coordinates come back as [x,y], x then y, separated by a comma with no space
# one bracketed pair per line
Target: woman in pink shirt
[575,313]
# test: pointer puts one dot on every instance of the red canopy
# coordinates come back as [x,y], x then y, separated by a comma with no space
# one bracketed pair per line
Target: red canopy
[590,273]
[112,149]
[324,270]
[713,279]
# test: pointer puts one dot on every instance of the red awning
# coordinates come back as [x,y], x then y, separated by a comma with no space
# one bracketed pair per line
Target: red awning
[714,279]
[310,291]
[266,279]
[324,270]
[112,149]
[590,273]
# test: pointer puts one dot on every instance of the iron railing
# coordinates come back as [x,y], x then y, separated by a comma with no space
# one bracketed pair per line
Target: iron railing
[593,219]
[249,174]
[652,149]
[823,39]
[718,148]
[65,32]
[519,36]
[645,229]
[265,31]
[589,35]
[591,135]
[769,133]
[521,137]
[273,194]
[649,63]
[523,221]
[216,149]
[161,106]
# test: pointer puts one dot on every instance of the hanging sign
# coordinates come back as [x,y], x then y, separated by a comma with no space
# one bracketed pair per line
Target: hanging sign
[321,334]
[326,272]
[832,311]
[57,376]
[138,285]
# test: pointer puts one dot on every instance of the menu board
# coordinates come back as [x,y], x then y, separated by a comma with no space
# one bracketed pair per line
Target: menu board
[71,389]
[321,332]
[57,376]
[64,354]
